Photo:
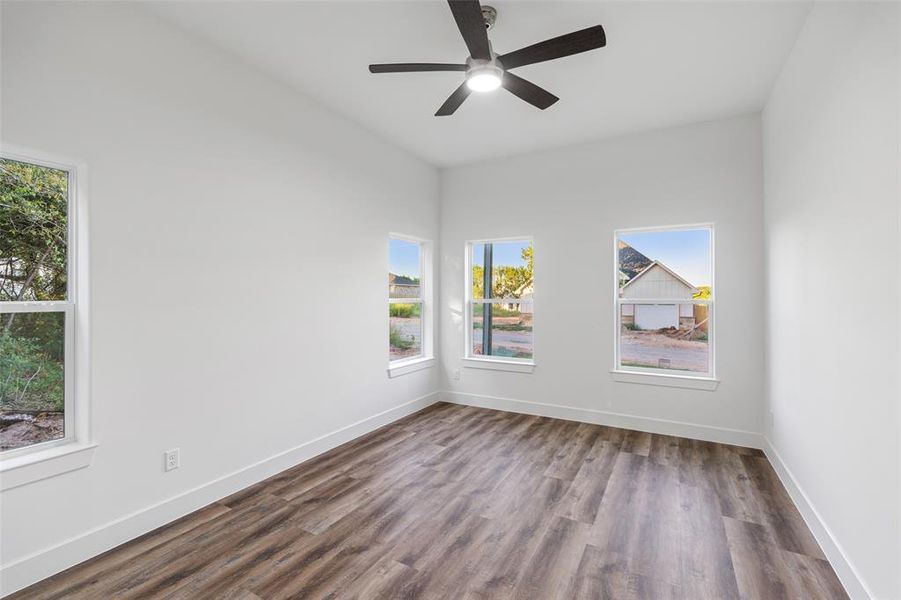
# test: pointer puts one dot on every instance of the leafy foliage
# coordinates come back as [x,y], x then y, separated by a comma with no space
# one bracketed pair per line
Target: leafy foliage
[405,311]
[506,281]
[496,311]
[704,293]
[30,379]
[33,232]
[33,255]
[397,340]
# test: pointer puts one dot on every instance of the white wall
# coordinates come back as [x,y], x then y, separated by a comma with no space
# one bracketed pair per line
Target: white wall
[571,200]
[831,138]
[239,255]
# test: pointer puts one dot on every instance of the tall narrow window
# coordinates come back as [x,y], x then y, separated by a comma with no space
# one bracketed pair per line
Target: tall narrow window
[37,308]
[406,299]
[500,304]
[664,300]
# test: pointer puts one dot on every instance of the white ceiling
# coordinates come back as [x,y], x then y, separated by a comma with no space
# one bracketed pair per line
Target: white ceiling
[666,63]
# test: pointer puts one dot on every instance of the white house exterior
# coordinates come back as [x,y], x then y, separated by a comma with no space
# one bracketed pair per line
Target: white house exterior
[663,299]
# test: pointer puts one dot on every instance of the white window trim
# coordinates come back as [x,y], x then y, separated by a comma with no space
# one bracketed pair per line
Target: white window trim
[426,358]
[479,361]
[665,377]
[411,365]
[500,364]
[74,451]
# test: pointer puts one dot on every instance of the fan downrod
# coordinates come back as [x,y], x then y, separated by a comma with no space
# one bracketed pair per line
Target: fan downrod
[489,13]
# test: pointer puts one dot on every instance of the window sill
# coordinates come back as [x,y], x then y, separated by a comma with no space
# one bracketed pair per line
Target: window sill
[493,364]
[410,366]
[679,381]
[41,464]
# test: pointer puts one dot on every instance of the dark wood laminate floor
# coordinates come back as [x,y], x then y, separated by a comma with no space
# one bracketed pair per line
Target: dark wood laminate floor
[461,502]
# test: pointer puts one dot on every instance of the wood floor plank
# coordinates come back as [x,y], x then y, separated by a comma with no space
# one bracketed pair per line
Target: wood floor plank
[707,570]
[603,576]
[552,567]
[569,458]
[462,502]
[780,515]
[583,499]
[94,573]
[758,571]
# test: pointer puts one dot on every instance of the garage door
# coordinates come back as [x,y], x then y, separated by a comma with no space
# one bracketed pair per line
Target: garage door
[656,316]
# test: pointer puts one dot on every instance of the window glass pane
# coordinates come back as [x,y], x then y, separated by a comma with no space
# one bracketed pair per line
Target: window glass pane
[32,385]
[405,330]
[665,336]
[662,277]
[511,272]
[673,264]
[33,232]
[404,265]
[510,334]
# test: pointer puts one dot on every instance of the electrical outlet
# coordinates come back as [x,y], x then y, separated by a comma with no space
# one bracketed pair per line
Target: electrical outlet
[770,421]
[457,374]
[172,459]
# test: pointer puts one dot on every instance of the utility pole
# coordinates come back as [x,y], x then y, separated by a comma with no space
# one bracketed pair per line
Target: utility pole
[486,294]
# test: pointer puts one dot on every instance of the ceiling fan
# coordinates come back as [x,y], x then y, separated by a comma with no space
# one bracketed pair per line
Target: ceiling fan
[486,70]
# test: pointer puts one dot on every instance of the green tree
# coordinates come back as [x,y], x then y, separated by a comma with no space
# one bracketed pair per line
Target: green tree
[506,280]
[33,239]
[33,232]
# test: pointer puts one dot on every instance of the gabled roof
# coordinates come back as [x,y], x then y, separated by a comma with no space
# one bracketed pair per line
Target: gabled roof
[401,280]
[665,268]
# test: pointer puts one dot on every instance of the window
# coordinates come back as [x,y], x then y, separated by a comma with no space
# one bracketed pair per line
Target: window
[664,301]
[500,305]
[37,306]
[409,299]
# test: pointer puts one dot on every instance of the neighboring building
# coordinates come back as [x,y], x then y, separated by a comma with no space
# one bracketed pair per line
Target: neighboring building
[401,286]
[659,282]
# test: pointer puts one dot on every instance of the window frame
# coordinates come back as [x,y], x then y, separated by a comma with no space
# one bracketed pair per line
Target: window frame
[481,361]
[74,450]
[426,357]
[656,376]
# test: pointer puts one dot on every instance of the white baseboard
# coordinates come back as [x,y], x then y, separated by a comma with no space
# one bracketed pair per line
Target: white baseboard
[40,565]
[844,568]
[707,433]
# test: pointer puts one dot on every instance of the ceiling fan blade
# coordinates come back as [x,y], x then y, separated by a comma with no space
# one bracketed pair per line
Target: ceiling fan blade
[414,67]
[468,14]
[528,91]
[454,101]
[558,47]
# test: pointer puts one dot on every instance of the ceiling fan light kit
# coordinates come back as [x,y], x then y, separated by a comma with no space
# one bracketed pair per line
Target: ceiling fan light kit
[485,70]
[485,77]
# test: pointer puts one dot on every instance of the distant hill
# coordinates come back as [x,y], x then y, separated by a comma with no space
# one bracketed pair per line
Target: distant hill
[631,261]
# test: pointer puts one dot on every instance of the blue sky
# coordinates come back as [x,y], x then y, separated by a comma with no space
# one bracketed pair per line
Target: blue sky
[403,258]
[685,252]
[503,254]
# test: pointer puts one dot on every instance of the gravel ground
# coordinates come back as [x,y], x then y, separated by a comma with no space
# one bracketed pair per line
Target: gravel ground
[506,343]
[646,348]
[410,329]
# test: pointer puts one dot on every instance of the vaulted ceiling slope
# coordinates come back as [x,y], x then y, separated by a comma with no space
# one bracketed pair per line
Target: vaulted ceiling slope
[665,64]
